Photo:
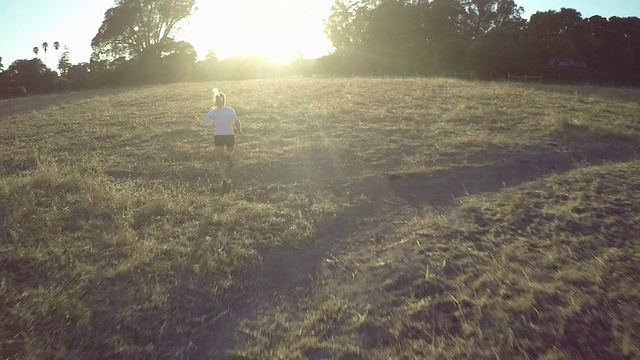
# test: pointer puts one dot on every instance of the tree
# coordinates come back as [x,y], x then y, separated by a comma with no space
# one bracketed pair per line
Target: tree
[175,62]
[484,15]
[56,45]
[33,74]
[374,36]
[135,26]
[498,52]
[36,50]
[207,69]
[393,37]
[80,75]
[341,27]
[211,56]
[550,35]
[619,50]
[446,42]
[45,46]
[178,61]
[63,62]
[443,19]
[1,66]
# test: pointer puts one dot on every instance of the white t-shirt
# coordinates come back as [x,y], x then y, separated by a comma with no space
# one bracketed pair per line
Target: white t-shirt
[222,120]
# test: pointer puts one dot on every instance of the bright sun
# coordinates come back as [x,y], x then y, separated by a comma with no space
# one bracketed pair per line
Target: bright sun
[278,30]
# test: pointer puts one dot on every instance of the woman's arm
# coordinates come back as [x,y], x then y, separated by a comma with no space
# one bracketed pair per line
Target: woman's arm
[236,121]
[206,119]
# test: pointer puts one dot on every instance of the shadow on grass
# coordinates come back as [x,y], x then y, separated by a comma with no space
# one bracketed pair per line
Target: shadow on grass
[282,271]
[506,170]
[287,271]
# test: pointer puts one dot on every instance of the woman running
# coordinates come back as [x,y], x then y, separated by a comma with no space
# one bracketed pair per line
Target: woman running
[224,119]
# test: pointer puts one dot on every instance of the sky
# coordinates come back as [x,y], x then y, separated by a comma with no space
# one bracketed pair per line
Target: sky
[278,29]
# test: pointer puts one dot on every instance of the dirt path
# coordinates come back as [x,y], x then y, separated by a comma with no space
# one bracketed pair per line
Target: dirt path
[289,274]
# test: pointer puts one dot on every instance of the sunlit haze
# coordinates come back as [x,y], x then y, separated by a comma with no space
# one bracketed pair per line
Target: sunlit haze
[276,29]
[279,30]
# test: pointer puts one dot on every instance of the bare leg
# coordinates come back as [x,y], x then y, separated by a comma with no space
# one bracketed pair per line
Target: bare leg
[229,157]
[220,162]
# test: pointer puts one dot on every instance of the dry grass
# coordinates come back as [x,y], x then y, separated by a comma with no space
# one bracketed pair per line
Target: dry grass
[115,243]
[546,270]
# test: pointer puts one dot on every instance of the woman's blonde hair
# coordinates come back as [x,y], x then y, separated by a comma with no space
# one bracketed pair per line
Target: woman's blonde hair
[220,99]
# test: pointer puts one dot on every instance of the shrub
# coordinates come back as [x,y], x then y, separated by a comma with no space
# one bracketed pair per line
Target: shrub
[20,91]
[13,91]
[63,85]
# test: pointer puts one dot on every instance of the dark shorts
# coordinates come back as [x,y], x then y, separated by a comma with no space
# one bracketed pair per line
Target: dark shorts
[224,140]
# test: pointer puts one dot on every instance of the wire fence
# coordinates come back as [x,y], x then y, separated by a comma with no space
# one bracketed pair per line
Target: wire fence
[525,78]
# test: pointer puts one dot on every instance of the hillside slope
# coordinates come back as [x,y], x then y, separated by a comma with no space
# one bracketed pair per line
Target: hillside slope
[115,241]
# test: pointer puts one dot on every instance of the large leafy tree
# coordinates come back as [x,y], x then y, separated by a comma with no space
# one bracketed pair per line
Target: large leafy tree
[550,34]
[469,19]
[376,35]
[179,59]
[33,74]
[80,74]
[501,50]
[588,38]
[619,50]
[443,19]
[415,35]
[443,25]
[346,26]
[134,27]
[483,16]
[393,36]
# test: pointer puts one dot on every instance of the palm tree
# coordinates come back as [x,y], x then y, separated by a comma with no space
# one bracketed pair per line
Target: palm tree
[45,46]
[36,50]
[56,45]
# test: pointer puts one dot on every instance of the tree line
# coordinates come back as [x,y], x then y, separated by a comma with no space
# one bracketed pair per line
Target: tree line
[487,37]
[136,44]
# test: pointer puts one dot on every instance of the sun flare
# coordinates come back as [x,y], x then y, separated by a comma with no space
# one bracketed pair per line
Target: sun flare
[278,30]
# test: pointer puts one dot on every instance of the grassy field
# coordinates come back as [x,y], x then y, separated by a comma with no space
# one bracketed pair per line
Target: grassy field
[368,219]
